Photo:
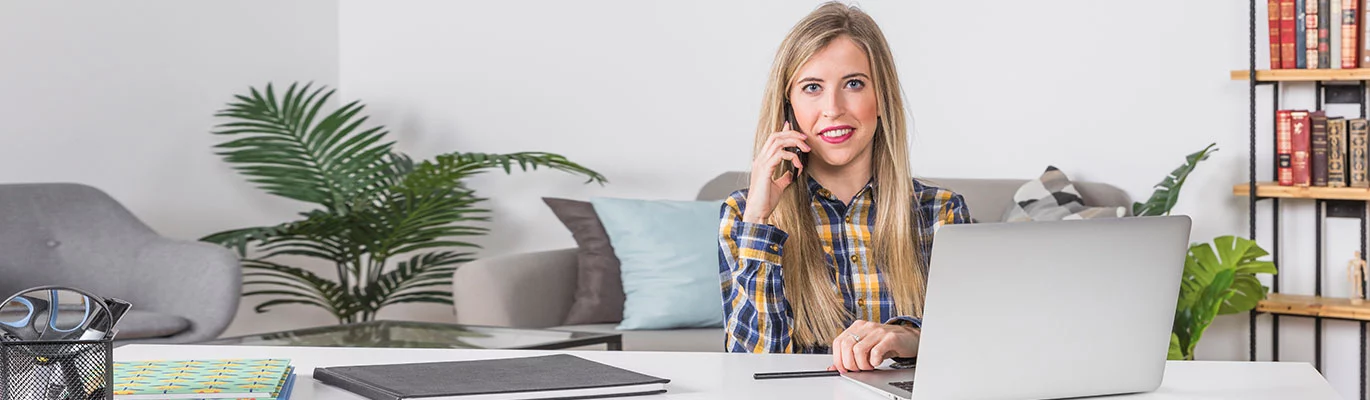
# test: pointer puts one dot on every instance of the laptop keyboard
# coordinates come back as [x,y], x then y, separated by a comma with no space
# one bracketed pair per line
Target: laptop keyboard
[906,385]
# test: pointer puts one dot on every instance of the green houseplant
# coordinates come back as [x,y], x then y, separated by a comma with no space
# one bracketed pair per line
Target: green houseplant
[373,205]
[1218,279]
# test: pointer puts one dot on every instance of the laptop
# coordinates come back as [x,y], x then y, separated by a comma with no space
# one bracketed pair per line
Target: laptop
[1031,310]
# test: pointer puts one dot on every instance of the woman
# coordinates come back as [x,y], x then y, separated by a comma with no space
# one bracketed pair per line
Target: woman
[832,256]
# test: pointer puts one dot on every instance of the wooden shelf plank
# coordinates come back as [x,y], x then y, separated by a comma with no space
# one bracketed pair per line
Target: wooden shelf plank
[1272,189]
[1305,75]
[1314,306]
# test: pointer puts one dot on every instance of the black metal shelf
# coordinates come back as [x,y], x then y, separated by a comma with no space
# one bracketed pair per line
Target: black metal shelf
[1338,93]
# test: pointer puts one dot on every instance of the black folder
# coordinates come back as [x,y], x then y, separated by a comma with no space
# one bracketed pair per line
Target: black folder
[559,376]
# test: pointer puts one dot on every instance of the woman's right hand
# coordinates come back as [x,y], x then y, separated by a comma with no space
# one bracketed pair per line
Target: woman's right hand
[763,194]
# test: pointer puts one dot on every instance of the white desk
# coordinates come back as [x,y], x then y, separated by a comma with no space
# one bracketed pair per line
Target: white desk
[729,376]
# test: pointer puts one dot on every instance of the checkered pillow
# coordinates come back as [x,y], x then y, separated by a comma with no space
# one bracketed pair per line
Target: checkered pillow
[1053,197]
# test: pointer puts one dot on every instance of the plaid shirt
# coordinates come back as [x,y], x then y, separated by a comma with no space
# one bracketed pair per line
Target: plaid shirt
[758,319]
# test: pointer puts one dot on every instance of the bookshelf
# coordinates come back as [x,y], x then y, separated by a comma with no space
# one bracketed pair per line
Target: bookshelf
[1331,86]
[1315,306]
[1272,190]
[1305,75]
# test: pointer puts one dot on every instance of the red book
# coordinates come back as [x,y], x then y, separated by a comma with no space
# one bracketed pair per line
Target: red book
[1300,136]
[1284,147]
[1350,46]
[1274,14]
[1288,58]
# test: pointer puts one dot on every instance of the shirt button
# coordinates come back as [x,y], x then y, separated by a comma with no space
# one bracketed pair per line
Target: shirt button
[860,302]
[848,219]
[853,258]
[775,248]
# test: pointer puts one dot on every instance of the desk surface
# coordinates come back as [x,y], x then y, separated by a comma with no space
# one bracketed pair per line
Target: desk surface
[729,376]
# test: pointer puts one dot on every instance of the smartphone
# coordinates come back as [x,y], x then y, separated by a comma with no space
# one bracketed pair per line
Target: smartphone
[786,165]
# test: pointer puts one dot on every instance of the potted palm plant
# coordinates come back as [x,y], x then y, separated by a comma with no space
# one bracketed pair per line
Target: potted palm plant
[1218,279]
[391,227]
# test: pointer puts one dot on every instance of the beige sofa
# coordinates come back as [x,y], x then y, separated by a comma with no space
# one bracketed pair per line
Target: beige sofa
[535,290]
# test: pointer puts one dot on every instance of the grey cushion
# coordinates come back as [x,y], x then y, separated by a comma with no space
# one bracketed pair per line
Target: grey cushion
[708,339]
[1052,197]
[599,285]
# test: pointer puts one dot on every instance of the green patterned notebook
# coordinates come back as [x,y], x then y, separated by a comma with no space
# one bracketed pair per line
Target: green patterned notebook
[200,379]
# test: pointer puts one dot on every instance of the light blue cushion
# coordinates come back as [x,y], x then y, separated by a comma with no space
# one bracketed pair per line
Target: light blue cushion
[669,255]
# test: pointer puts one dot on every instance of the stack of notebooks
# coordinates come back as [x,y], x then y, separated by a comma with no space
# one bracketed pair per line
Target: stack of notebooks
[256,379]
[558,376]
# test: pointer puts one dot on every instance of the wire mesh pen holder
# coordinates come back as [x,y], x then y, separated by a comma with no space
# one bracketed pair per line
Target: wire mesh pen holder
[56,369]
[40,360]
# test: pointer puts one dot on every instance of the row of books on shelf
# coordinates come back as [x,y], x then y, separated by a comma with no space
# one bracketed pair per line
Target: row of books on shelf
[1318,34]
[1313,149]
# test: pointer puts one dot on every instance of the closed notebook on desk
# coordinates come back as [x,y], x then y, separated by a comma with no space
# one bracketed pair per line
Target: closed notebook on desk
[544,377]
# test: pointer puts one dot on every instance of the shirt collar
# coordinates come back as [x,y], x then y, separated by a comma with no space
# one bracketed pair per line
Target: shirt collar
[817,189]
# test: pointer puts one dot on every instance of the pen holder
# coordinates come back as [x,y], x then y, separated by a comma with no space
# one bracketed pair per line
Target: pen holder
[56,369]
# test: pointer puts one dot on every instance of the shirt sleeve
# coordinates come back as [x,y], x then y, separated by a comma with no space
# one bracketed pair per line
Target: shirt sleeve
[757,319]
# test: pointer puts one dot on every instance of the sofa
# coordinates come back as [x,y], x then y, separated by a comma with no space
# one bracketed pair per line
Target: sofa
[536,289]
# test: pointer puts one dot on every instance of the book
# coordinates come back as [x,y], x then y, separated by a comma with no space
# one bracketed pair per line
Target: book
[1273,13]
[1318,148]
[1336,152]
[1299,136]
[1359,134]
[1301,49]
[1288,49]
[559,375]
[1364,29]
[1350,46]
[1284,147]
[201,379]
[1324,34]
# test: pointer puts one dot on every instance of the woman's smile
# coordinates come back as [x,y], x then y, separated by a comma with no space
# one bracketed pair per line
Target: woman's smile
[836,134]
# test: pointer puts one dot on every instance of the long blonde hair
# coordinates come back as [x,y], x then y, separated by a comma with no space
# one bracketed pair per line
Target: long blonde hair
[809,286]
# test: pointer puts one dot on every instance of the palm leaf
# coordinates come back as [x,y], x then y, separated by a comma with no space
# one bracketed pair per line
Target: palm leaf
[418,270]
[448,170]
[1168,190]
[374,203]
[279,146]
[325,293]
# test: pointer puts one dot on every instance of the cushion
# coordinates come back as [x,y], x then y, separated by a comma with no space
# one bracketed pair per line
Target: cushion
[599,291]
[668,254]
[1052,197]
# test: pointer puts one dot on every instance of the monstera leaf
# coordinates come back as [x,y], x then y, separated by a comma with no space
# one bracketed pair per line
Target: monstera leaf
[1218,279]
[1168,190]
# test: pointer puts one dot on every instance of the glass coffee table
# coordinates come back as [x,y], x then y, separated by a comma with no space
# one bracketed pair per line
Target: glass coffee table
[385,333]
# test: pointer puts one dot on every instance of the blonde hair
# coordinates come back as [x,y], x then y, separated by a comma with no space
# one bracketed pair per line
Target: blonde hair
[818,311]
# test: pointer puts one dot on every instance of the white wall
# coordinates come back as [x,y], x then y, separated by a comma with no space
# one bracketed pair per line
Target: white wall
[662,96]
[122,95]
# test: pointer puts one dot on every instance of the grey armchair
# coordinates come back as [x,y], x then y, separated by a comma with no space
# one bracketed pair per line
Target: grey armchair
[77,235]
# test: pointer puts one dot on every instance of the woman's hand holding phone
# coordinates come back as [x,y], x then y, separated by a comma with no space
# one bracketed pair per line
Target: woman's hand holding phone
[764,192]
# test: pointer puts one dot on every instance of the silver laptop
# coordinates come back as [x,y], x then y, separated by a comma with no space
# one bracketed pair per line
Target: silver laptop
[1033,310]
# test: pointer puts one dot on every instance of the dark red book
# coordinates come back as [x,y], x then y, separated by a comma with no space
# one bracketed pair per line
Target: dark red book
[1288,51]
[1273,11]
[1300,137]
[1284,147]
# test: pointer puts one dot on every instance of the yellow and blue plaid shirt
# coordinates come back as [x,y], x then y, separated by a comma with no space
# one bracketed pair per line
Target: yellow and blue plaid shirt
[758,319]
